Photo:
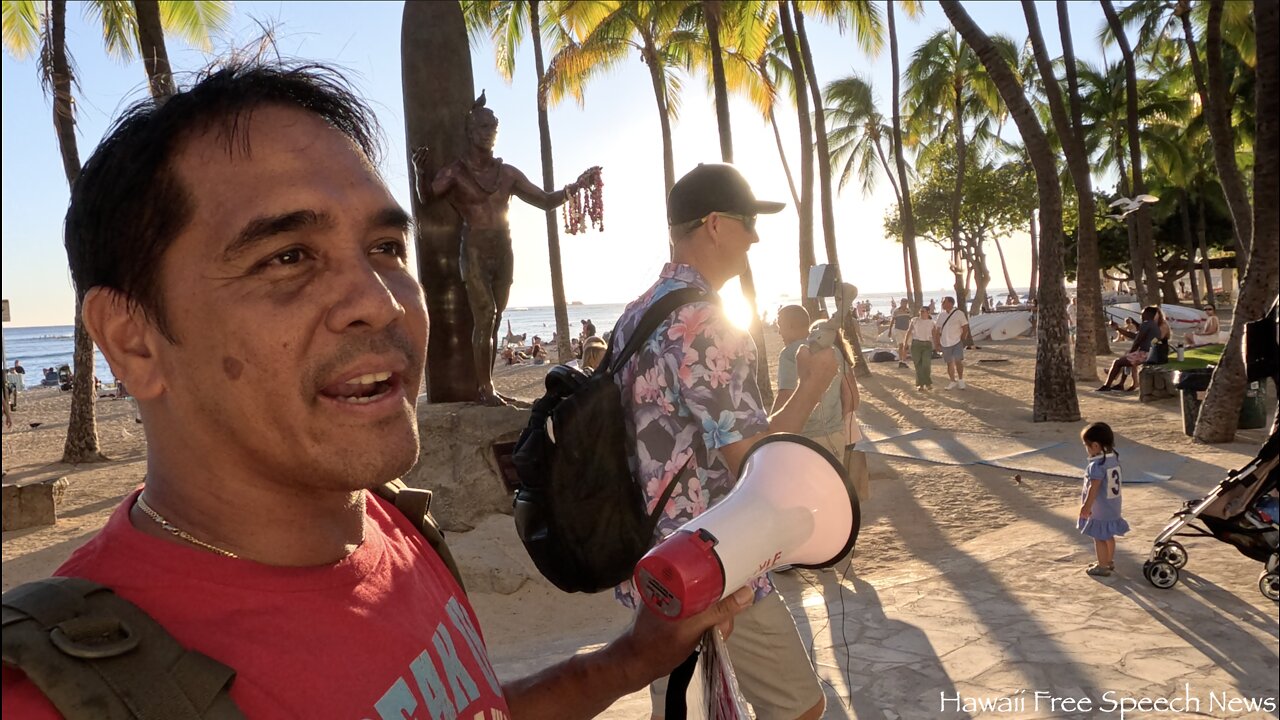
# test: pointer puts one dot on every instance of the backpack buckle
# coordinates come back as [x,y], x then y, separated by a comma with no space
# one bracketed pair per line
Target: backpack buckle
[93,637]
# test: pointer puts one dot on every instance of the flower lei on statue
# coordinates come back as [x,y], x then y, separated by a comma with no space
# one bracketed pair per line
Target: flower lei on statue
[585,204]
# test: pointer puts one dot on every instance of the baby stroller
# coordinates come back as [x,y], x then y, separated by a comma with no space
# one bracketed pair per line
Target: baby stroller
[1241,511]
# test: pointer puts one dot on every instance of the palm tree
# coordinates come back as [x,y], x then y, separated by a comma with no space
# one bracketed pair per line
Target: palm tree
[1088,283]
[805,208]
[949,90]
[30,25]
[1055,393]
[1217,108]
[864,20]
[857,134]
[908,217]
[1162,21]
[1220,412]
[504,22]
[663,32]
[1145,275]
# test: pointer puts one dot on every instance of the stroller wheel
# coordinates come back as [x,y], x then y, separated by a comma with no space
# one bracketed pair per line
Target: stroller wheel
[1174,554]
[1161,573]
[1269,584]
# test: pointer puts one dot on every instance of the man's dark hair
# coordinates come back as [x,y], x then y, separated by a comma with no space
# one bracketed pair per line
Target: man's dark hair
[128,205]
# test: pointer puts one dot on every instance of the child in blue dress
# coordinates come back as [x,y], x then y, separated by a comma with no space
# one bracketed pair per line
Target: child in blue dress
[1100,508]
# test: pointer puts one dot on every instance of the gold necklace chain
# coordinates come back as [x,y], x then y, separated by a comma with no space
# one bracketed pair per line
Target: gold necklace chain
[179,532]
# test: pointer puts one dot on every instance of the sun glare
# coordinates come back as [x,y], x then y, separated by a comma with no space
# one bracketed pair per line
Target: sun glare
[735,305]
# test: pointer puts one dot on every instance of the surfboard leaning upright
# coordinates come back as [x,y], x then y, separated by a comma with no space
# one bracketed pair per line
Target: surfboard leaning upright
[435,61]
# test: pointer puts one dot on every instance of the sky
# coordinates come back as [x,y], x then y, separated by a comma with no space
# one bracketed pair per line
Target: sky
[616,127]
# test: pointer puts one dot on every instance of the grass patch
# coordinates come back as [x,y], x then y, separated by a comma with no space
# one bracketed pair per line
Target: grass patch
[1196,358]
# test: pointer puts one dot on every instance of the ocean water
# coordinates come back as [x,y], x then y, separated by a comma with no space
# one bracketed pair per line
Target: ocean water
[41,347]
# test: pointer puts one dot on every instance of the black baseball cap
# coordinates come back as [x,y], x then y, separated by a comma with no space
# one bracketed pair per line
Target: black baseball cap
[714,187]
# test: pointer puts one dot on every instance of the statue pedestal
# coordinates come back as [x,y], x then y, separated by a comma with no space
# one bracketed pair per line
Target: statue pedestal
[457,462]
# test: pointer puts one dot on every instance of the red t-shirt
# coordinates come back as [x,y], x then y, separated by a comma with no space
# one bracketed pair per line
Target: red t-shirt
[382,633]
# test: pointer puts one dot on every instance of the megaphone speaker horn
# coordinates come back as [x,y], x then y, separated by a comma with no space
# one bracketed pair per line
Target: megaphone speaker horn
[793,505]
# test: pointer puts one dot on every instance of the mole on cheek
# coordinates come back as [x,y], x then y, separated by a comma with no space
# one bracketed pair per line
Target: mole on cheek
[232,367]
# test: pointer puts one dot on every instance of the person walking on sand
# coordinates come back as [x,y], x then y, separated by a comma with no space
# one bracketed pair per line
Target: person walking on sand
[1101,516]
[923,341]
[20,375]
[898,332]
[951,334]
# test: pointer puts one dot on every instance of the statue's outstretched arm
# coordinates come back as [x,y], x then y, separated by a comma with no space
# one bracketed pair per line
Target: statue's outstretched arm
[535,195]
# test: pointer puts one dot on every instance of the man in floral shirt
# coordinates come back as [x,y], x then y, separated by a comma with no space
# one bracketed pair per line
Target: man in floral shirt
[690,392]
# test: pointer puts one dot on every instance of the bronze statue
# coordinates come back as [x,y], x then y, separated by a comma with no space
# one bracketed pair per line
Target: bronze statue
[479,186]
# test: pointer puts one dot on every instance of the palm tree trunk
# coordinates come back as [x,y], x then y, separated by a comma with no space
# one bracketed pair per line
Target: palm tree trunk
[1033,229]
[711,11]
[564,346]
[82,428]
[1055,391]
[1141,218]
[782,155]
[1008,280]
[1131,234]
[1087,287]
[820,132]
[805,208]
[434,36]
[1184,199]
[1217,110]
[1221,410]
[664,117]
[958,194]
[906,254]
[151,46]
[1210,296]
[1091,324]
[908,217]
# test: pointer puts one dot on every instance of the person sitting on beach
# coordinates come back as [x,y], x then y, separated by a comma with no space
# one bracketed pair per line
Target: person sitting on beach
[243,267]
[1148,332]
[593,349]
[1207,332]
[1129,331]
[537,352]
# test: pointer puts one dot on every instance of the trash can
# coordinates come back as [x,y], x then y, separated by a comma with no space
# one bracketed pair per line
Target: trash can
[1192,384]
[1253,412]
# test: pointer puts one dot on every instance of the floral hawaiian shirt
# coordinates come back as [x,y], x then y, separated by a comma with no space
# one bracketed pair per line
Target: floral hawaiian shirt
[688,392]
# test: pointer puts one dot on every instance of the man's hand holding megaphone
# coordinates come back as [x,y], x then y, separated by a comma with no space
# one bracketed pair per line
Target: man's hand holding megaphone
[651,648]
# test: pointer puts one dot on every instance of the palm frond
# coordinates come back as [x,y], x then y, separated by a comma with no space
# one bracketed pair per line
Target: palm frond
[23,25]
[119,26]
[195,22]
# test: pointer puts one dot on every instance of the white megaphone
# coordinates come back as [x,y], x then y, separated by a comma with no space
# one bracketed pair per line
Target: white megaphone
[793,505]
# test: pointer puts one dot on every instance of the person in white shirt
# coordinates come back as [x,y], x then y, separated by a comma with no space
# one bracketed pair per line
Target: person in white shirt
[950,334]
[921,333]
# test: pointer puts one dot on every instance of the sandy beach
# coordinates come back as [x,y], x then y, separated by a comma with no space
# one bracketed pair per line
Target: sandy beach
[918,512]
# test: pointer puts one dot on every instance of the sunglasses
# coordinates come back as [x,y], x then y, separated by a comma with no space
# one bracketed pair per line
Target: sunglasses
[748,221]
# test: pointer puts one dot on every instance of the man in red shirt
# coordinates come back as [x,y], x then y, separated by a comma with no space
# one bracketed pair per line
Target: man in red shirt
[243,269]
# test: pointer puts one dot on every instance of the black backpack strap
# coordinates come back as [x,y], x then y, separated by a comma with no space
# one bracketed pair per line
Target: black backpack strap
[653,317]
[652,524]
[415,504]
[96,655]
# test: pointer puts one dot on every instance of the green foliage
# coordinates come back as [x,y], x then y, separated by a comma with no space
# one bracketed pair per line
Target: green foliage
[998,199]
